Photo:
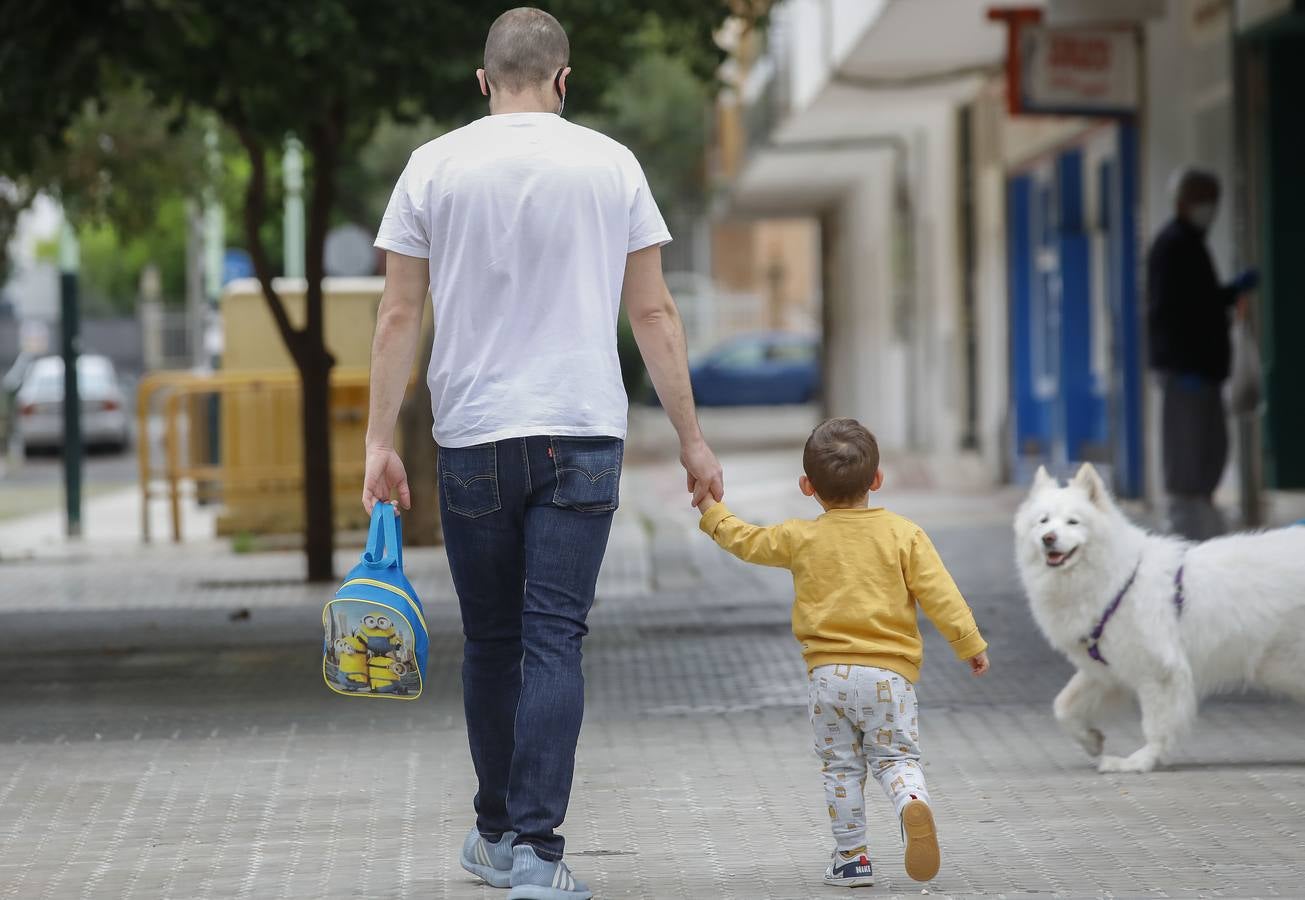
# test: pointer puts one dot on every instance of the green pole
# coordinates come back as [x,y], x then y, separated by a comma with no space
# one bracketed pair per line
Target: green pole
[70,342]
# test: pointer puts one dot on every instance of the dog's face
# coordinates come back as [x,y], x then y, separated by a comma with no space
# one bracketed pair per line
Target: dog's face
[1055,524]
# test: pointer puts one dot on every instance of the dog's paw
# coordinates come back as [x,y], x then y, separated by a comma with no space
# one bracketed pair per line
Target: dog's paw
[1091,740]
[1141,761]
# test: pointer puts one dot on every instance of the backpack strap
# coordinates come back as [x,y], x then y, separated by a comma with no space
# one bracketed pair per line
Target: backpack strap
[384,539]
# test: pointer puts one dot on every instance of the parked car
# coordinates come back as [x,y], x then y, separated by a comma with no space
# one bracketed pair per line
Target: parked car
[104,409]
[757,369]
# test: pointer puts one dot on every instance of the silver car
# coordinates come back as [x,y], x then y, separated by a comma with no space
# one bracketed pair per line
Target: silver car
[104,408]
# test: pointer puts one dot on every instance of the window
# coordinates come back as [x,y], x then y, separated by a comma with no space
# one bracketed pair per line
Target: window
[740,356]
[791,352]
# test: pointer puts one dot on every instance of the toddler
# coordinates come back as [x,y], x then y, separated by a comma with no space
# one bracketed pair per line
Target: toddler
[858,573]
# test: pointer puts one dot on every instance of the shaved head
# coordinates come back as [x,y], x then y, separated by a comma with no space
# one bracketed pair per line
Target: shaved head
[525,48]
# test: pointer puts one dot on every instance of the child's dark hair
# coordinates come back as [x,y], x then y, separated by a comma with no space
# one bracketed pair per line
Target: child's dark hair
[841,459]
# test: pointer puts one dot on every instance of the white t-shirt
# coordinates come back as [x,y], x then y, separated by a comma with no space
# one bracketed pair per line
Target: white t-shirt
[527,220]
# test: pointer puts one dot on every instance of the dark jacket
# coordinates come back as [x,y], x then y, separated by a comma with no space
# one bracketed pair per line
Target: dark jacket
[1187,307]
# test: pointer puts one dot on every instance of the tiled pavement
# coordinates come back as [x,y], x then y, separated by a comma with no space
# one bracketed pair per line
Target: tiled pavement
[153,746]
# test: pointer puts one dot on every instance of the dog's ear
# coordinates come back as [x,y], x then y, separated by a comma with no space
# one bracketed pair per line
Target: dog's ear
[1042,480]
[1088,479]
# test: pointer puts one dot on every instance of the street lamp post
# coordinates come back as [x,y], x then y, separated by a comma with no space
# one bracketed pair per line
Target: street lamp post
[70,344]
[292,166]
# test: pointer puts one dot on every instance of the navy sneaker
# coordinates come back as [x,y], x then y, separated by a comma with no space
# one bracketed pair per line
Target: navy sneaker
[849,873]
[491,862]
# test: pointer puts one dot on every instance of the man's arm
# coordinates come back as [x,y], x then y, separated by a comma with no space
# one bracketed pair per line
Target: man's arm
[394,347]
[660,335]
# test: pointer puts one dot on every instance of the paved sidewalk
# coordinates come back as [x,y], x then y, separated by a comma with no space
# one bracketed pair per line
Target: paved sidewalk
[151,745]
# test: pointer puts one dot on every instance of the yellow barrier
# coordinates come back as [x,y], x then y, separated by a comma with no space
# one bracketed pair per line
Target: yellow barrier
[258,473]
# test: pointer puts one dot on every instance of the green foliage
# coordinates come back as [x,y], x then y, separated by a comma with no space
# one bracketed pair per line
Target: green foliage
[659,110]
[119,161]
[370,174]
[122,156]
[308,65]
[112,260]
[106,120]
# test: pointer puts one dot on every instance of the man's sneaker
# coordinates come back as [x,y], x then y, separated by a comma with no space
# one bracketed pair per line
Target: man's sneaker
[491,862]
[849,873]
[922,854]
[540,879]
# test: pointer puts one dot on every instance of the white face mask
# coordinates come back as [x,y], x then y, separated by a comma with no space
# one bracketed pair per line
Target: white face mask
[1201,215]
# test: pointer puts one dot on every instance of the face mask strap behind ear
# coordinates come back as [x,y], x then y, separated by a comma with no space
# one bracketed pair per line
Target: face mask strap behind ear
[557,87]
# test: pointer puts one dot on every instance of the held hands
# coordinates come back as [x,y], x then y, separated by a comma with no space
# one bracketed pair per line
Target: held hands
[702,472]
[979,664]
[384,476]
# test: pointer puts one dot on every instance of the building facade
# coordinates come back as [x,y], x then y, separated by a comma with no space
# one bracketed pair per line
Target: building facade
[986,182]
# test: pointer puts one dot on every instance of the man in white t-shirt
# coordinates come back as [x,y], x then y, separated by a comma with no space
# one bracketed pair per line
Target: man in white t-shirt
[528,232]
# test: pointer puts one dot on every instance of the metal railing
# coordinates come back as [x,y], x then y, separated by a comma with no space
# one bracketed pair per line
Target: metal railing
[235,436]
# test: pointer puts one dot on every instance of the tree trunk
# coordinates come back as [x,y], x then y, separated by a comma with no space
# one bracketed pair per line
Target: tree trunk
[319,485]
[307,345]
[316,362]
[422,525]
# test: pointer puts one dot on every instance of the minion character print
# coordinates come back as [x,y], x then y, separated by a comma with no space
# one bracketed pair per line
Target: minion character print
[351,671]
[367,653]
[377,632]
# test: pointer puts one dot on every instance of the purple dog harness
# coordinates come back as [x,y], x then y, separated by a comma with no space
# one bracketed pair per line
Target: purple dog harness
[1093,640]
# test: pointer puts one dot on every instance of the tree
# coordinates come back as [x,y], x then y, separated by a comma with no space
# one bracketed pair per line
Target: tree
[328,71]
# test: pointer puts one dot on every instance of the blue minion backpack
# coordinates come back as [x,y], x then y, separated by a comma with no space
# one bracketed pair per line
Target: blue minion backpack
[376,640]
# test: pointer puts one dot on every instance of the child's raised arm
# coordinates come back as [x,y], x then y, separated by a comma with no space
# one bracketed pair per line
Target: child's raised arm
[751,543]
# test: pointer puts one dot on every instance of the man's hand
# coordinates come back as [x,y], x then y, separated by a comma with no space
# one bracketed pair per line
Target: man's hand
[702,471]
[384,475]
[1243,306]
[979,664]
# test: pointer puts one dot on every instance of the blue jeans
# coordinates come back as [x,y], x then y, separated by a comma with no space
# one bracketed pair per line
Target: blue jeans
[526,522]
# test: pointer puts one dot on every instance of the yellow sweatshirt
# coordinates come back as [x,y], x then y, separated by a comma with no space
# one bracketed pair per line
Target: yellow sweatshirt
[858,574]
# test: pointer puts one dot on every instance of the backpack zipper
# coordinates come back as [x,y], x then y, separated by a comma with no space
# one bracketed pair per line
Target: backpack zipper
[392,589]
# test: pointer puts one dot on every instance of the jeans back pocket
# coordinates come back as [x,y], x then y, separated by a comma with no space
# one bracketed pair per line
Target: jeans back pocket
[469,480]
[588,472]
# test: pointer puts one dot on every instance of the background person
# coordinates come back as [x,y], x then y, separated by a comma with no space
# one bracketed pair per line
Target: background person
[528,232]
[1189,318]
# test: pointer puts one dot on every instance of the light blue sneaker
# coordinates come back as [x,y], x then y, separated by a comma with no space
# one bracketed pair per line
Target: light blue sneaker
[490,862]
[538,879]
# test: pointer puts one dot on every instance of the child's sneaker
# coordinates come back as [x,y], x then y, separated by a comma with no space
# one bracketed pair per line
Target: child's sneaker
[856,872]
[922,855]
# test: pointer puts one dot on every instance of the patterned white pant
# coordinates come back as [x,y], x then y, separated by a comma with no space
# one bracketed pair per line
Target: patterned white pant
[864,719]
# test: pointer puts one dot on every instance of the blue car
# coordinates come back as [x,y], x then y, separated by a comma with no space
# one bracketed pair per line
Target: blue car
[759,369]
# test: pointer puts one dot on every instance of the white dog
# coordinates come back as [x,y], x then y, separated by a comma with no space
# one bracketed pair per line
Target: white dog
[1168,620]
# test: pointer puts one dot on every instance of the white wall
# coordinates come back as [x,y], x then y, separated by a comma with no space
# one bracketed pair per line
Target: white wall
[1188,120]
[34,283]
[866,378]
[817,36]
[1189,116]
[992,311]
[939,350]
[909,392]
